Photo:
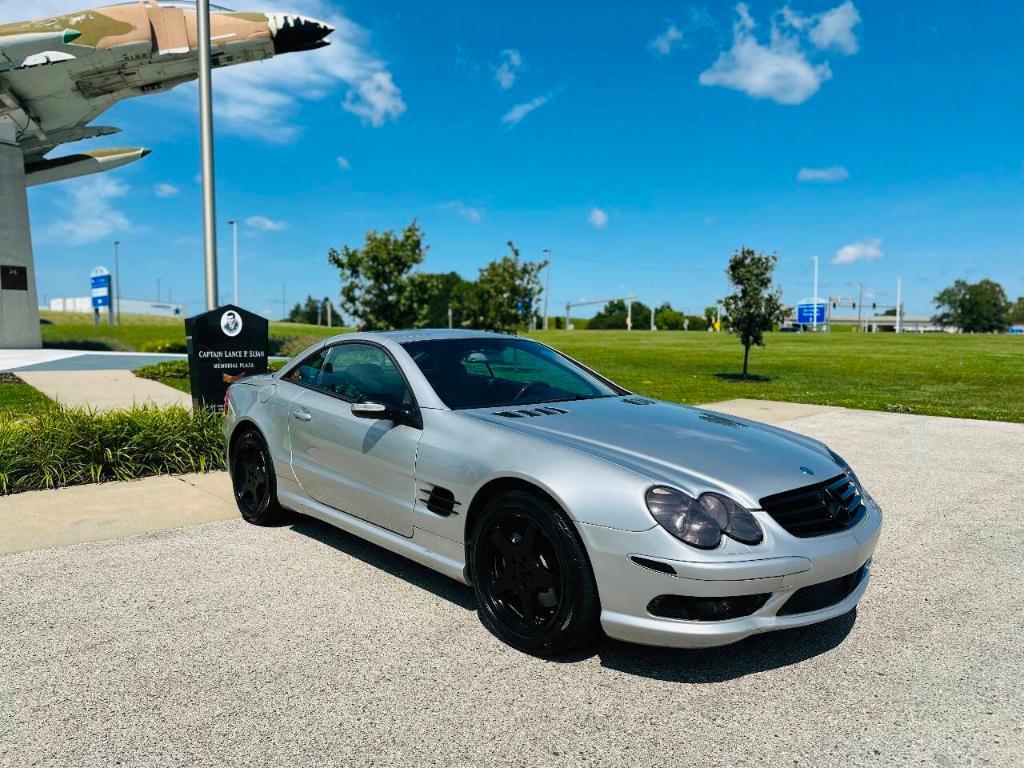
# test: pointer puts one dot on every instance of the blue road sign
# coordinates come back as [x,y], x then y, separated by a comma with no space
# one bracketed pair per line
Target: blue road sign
[805,313]
[100,291]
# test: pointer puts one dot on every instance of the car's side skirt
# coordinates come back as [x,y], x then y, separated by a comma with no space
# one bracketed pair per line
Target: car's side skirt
[425,548]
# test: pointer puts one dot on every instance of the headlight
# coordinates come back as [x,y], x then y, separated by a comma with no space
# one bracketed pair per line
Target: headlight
[701,522]
[853,476]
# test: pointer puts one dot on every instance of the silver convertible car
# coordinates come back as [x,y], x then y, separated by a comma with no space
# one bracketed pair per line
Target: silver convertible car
[570,504]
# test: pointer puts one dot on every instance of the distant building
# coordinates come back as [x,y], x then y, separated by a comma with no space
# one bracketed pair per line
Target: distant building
[128,307]
[879,324]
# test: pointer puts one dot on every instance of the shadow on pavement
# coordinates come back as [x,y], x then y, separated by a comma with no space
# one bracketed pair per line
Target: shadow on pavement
[759,653]
[694,666]
[413,573]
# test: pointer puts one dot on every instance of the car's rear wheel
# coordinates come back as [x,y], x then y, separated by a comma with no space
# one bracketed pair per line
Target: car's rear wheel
[253,480]
[533,582]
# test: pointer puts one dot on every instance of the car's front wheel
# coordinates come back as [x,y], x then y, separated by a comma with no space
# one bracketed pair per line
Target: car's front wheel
[533,582]
[253,480]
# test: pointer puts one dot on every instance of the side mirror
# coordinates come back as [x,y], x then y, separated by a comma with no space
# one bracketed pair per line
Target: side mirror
[378,411]
[373,411]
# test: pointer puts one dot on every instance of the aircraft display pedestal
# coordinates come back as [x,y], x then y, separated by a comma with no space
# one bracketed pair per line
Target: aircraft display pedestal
[19,305]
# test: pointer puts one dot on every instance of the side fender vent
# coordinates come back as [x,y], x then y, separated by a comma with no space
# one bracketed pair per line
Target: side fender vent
[637,401]
[439,500]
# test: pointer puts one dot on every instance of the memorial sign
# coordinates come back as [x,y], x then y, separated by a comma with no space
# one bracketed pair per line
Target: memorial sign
[224,345]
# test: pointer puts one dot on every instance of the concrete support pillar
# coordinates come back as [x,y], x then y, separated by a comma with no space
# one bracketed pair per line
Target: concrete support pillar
[19,304]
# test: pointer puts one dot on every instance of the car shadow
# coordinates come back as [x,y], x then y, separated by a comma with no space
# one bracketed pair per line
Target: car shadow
[401,567]
[759,653]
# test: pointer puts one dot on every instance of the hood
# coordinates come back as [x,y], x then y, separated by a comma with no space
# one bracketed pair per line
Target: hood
[691,448]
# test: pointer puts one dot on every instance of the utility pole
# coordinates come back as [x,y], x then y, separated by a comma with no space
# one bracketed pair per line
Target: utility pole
[652,320]
[234,250]
[158,290]
[449,318]
[629,314]
[117,283]
[330,323]
[284,312]
[547,287]
[814,319]
[899,304]
[860,307]
[206,152]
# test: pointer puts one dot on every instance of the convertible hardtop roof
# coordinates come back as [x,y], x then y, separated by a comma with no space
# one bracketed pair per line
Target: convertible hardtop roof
[426,334]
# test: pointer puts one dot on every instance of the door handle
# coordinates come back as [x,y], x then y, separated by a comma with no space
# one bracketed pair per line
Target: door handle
[302,415]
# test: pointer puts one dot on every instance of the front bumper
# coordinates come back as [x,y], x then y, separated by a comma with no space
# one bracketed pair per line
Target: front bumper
[783,565]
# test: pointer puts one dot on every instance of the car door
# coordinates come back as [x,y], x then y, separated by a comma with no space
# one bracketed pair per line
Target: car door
[364,467]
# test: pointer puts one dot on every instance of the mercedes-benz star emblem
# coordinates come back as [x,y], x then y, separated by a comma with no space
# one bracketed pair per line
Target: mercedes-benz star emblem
[837,511]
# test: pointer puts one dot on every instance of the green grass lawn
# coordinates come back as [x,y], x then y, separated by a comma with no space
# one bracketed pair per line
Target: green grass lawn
[18,399]
[979,377]
[146,334]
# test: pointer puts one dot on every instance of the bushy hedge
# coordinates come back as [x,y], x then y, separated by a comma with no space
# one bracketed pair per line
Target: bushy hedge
[72,446]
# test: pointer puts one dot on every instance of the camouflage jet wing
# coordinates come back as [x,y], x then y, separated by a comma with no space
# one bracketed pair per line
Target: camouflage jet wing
[59,74]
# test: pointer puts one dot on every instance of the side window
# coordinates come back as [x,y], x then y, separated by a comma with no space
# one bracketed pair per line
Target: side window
[363,373]
[309,371]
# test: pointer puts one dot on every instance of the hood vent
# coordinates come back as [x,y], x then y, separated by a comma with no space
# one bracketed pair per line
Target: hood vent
[637,401]
[523,413]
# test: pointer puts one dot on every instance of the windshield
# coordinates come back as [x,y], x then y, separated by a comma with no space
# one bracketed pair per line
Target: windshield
[494,373]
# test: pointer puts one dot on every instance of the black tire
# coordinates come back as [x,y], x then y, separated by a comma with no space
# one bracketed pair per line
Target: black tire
[253,480]
[532,578]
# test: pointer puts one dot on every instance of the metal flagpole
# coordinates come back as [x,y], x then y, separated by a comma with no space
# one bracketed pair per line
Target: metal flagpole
[547,287]
[814,322]
[234,250]
[206,152]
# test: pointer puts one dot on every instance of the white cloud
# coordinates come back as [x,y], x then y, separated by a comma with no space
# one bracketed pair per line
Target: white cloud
[505,73]
[779,71]
[89,211]
[164,190]
[598,218]
[519,111]
[862,250]
[467,212]
[264,224]
[834,28]
[829,175]
[376,99]
[344,164]
[663,43]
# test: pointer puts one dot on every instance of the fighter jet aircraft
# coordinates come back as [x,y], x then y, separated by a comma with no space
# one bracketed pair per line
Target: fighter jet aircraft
[58,74]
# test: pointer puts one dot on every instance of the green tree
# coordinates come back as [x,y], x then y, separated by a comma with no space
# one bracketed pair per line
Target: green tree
[613,316]
[1016,314]
[314,312]
[378,290]
[755,305]
[433,295]
[502,298]
[668,319]
[980,307]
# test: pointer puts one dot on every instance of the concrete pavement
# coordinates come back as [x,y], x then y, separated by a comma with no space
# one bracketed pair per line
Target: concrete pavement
[45,519]
[227,644]
[76,360]
[103,390]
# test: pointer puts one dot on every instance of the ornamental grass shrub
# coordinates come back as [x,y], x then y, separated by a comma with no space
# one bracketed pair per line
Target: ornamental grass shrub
[61,446]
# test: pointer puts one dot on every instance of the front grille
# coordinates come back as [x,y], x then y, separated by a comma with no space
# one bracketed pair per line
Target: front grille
[824,595]
[816,510]
[705,608]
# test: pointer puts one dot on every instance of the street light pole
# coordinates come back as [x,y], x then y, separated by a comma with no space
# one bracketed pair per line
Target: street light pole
[206,152]
[234,250]
[814,321]
[547,287]
[117,284]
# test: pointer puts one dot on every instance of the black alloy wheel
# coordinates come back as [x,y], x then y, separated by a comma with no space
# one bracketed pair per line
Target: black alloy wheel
[531,575]
[252,478]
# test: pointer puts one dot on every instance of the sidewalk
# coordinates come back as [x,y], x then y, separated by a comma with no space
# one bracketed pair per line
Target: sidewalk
[46,519]
[103,390]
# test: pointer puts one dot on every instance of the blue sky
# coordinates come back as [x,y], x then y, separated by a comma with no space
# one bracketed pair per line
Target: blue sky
[642,143]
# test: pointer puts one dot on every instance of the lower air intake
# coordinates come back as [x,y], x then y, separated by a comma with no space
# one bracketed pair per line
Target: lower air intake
[705,608]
